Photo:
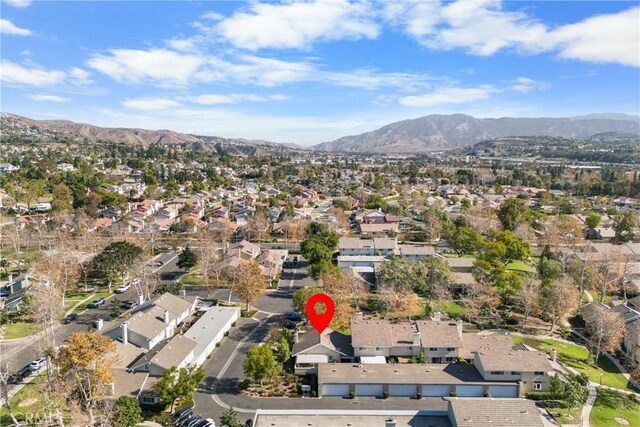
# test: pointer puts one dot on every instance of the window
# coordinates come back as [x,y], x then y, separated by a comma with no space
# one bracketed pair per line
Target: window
[147,399]
[379,348]
[362,348]
[497,372]
[515,373]
[449,359]
[451,349]
[537,386]
[433,348]
[538,373]
[409,348]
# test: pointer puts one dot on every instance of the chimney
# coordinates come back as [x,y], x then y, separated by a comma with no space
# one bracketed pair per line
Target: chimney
[10,278]
[390,423]
[125,333]
[296,336]
[140,299]
[553,354]
[416,338]
[437,316]
[166,317]
[358,315]
[459,326]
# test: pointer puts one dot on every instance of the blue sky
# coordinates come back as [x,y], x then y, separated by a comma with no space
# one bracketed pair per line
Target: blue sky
[308,72]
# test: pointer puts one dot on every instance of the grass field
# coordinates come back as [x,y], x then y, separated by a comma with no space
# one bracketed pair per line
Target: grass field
[578,358]
[20,329]
[85,306]
[28,402]
[520,266]
[612,407]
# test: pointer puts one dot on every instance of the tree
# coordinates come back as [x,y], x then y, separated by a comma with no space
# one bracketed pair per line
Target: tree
[115,308]
[528,298]
[282,353]
[623,225]
[187,259]
[62,198]
[593,220]
[438,278]
[605,328]
[259,364]
[177,383]
[560,301]
[583,274]
[318,248]
[516,248]
[126,412]
[462,239]
[116,258]
[301,296]
[249,281]
[229,418]
[510,213]
[85,364]
[432,225]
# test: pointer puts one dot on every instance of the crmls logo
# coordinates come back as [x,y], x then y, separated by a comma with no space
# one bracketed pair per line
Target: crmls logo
[35,418]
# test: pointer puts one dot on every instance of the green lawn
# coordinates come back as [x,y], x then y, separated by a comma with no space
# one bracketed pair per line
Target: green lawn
[565,415]
[27,401]
[520,266]
[20,329]
[578,358]
[611,405]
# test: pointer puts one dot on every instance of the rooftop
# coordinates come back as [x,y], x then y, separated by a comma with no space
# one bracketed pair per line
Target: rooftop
[470,412]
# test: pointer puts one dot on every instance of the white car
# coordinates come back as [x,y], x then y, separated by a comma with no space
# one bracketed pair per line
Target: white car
[123,288]
[38,363]
[134,282]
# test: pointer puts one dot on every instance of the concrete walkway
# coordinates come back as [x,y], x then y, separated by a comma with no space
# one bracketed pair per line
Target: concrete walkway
[588,405]
[589,296]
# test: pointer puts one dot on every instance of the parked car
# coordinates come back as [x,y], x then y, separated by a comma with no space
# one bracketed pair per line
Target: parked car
[129,304]
[180,415]
[97,303]
[19,376]
[122,288]
[134,282]
[289,324]
[206,423]
[293,316]
[191,421]
[38,363]
[70,318]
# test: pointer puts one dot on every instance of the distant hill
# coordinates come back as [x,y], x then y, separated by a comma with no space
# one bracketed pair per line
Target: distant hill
[446,132]
[51,130]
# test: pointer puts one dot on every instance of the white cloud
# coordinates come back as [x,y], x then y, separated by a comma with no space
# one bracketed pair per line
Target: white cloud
[34,76]
[604,38]
[7,27]
[298,24]
[80,77]
[50,98]
[19,3]
[525,85]
[449,95]
[150,104]
[483,28]
[213,16]
[163,66]
[234,98]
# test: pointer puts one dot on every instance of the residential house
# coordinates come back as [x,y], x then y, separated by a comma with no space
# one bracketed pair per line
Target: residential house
[312,348]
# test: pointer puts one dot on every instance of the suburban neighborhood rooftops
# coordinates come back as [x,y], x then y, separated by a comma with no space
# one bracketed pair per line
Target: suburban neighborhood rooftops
[398,374]
[174,352]
[210,324]
[473,412]
[173,303]
[420,250]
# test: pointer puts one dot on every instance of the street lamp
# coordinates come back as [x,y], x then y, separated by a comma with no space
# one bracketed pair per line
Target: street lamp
[600,378]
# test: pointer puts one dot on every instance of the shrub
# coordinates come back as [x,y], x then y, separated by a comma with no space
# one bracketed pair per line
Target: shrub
[352,395]
[453,394]
[385,395]
[419,394]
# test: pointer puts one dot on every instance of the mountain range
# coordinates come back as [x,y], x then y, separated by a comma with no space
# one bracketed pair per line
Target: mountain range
[445,132]
[424,134]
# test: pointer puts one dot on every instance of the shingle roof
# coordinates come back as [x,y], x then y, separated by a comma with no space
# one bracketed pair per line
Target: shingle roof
[379,332]
[476,342]
[470,412]
[520,361]
[330,339]
[173,303]
[439,334]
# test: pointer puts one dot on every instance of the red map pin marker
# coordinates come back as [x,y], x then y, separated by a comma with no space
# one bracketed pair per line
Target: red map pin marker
[320,321]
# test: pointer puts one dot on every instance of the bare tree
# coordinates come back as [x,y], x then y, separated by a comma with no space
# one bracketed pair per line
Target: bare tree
[561,301]
[528,298]
[605,328]
[610,271]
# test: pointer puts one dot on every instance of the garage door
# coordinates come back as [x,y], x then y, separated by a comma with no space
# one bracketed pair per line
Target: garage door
[335,390]
[503,391]
[470,391]
[368,389]
[435,390]
[402,390]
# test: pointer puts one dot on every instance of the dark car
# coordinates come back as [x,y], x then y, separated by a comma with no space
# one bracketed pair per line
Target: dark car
[289,324]
[293,316]
[19,376]
[97,303]
[181,415]
[129,304]
[70,318]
